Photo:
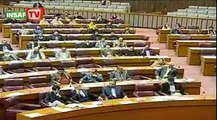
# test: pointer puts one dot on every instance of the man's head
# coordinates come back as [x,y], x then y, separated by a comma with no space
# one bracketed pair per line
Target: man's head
[56,33]
[4,42]
[171,79]
[161,61]
[103,40]
[112,33]
[170,65]
[76,14]
[120,69]
[63,49]
[38,27]
[107,46]
[147,46]
[109,23]
[112,83]
[56,89]
[96,33]
[131,48]
[120,39]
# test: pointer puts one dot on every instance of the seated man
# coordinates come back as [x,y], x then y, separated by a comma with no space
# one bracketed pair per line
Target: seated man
[61,77]
[96,36]
[82,95]
[112,91]
[63,53]
[107,52]
[126,30]
[39,37]
[101,20]
[54,98]
[72,22]
[56,21]
[178,29]
[113,36]
[5,46]
[44,22]
[10,56]
[119,74]
[38,30]
[166,27]
[101,43]
[131,52]
[211,30]
[91,76]
[35,54]
[119,43]
[171,87]
[166,71]
[109,25]
[147,51]
[56,36]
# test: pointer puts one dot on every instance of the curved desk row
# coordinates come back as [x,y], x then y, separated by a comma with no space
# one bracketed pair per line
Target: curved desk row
[173,37]
[70,31]
[94,52]
[25,39]
[7,27]
[153,108]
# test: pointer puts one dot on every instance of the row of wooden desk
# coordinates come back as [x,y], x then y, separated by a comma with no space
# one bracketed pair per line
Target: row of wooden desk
[78,73]
[156,108]
[6,28]
[162,33]
[171,38]
[69,31]
[32,95]
[94,52]
[25,39]
[195,53]
[183,45]
[117,60]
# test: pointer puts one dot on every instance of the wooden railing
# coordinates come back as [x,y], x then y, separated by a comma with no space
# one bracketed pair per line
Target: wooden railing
[135,19]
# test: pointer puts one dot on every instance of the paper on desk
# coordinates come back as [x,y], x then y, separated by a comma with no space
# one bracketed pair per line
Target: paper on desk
[81,106]
[83,70]
[14,94]
[61,109]
[32,115]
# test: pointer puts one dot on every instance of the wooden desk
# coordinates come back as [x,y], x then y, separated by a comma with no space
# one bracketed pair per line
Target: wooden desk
[208,65]
[194,54]
[182,46]
[94,52]
[162,36]
[69,31]
[75,43]
[133,108]
[7,27]
[78,73]
[25,39]
[173,37]
[121,60]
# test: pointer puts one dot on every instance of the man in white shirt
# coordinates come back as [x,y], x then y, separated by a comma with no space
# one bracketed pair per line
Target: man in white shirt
[35,54]
[8,56]
[166,71]
[63,54]
[101,43]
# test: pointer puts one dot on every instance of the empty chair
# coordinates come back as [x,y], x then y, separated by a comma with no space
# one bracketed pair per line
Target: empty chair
[122,7]
[140,44]
[212,17]
[136,75]
[126,4]
[143,90]
[191,10]
[211,8]
[202,12]
[171,13]
[82,53]
[39,81]
[78,8]
[96,2]
[43,66]
[65,4]
[203,16]
[53,45]
[181,14]
[112,7]
[193,15]
[17,67]
[13,106]
[93,5]
[76,1]
[87,63]
[13,84]
[102,6]
[88,9]
[115,3]
[83,5]
[202,7]
[87,2]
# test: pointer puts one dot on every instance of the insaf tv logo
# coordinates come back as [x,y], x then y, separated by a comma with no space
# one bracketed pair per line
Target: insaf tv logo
[35,14]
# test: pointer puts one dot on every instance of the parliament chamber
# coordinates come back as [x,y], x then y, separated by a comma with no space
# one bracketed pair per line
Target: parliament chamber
[104,60]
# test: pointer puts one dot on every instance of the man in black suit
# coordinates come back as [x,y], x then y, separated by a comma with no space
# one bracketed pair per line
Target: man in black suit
[38,30]
[54,98]
[147,51]
[56,36]
[166,71]
[5,46]
[82,95]
[113,36]
[86,44]
[172,88]
[76,16]
[112,91]
[131,52]
[39,37]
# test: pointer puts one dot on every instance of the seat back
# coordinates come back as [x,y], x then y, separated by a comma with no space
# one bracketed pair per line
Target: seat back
[14,82]
[38,79]
[14,66]
[11,101]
